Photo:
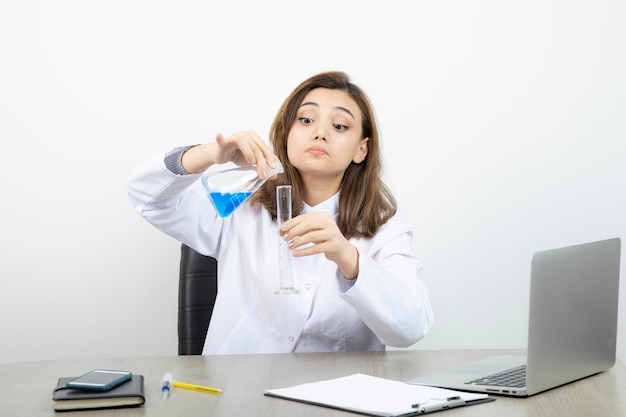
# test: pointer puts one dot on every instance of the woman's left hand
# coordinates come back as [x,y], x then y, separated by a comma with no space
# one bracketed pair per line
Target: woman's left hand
[314,233]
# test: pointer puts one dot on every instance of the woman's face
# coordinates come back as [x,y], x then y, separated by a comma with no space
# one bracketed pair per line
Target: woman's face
[326,135]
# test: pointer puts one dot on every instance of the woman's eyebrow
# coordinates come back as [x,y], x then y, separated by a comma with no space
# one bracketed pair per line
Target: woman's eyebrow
[340,108]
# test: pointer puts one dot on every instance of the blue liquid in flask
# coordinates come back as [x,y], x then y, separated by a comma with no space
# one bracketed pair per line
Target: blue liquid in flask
[226,203]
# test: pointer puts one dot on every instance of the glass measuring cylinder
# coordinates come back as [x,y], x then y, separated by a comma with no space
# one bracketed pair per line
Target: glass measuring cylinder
[283,213]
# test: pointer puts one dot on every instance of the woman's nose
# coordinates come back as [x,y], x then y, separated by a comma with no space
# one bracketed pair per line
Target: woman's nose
[321,135]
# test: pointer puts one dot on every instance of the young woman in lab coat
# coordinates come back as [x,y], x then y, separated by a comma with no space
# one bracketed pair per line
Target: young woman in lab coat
[352,261]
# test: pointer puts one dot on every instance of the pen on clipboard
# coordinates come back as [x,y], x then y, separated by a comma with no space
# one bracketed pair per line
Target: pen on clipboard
[436,404]
[195,387]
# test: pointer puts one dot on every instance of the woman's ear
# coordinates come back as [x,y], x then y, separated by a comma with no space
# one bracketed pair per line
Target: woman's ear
[361,151]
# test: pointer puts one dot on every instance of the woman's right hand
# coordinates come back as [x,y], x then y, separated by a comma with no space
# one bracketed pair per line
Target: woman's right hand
[241,148]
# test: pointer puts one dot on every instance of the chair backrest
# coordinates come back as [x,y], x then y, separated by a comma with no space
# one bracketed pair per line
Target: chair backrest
[197,290]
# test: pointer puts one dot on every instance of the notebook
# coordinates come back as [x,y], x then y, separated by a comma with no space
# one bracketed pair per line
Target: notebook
[572,326]
[128,394]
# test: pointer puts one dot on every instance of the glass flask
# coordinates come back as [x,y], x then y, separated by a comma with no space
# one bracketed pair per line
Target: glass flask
[230,188]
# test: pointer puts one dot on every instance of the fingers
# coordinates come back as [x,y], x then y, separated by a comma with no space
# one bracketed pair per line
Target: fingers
[313,233]
[246,148]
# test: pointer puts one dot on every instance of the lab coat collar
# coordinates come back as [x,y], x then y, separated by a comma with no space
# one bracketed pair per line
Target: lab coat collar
[330,206]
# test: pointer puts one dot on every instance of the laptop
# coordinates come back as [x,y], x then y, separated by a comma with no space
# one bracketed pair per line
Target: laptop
[572,326]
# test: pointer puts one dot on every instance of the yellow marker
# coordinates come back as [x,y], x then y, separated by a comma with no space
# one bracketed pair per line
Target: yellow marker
[197,387]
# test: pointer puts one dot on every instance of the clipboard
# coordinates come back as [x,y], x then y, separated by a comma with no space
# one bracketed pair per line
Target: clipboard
[374,396]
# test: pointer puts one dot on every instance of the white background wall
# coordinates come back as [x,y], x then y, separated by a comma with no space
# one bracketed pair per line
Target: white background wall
[503,128]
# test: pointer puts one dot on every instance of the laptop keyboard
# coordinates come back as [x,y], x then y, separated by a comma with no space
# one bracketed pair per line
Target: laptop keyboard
[515,377]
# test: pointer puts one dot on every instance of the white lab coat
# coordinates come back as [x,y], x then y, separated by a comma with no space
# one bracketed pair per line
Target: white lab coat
[386,305]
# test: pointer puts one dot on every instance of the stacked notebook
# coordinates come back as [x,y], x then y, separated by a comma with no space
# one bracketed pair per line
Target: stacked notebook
[128,394]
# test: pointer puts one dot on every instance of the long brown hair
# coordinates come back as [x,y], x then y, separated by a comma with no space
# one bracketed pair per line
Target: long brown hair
[365,202]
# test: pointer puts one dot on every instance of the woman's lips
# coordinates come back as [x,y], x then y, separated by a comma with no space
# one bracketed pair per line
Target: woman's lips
[317,150]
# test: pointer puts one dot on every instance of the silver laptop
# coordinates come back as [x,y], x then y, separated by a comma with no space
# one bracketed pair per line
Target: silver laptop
[572,326]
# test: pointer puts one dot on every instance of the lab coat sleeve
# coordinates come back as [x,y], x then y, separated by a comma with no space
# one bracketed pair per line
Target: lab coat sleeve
[388,294]
[175,204]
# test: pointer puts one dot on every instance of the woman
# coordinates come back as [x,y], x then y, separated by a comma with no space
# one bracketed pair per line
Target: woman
[352,256]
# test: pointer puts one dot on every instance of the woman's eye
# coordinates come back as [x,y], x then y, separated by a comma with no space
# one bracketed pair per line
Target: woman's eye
[340,128]
[305,120]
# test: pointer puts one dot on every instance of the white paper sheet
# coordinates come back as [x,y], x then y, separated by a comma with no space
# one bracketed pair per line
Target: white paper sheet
[370,395]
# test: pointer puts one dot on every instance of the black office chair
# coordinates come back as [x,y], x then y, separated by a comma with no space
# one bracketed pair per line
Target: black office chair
[197,290]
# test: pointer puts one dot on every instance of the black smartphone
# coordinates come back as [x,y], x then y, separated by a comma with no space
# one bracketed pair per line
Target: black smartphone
[99,380]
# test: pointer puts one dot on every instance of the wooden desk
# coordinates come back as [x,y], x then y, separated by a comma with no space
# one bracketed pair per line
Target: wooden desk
[26,388]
